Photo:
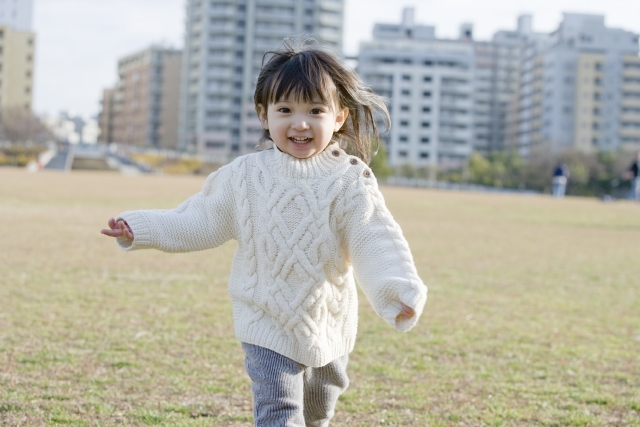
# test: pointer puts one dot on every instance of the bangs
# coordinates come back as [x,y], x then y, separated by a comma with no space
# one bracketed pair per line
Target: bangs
[302,78]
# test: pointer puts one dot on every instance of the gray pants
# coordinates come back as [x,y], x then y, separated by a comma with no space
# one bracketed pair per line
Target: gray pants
[288,394]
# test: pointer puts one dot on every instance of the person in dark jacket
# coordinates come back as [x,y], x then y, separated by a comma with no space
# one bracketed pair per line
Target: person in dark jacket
[559,181]
[632,174]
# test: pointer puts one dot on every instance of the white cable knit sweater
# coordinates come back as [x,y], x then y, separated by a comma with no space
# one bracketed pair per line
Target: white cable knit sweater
[304,228]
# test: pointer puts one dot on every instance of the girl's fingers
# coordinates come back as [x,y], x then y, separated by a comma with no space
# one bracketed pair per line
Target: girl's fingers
[117,229]
[407,311]
[111,233]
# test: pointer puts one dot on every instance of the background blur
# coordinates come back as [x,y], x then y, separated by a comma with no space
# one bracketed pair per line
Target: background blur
[494,93]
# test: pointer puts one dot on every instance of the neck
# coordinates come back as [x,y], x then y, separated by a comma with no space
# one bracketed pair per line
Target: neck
[313,167]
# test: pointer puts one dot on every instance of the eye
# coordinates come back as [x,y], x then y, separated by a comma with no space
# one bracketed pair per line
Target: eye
[284,110]
[317,111]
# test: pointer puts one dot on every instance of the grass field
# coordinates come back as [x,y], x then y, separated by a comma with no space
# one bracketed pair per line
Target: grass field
[533,315]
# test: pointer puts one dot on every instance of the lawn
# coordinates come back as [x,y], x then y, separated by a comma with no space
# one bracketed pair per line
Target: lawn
[533,315]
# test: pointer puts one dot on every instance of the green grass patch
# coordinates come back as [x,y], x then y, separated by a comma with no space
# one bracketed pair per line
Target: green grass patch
[532,316]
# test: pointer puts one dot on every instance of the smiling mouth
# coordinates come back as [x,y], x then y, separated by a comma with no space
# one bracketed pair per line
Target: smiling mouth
[299,140]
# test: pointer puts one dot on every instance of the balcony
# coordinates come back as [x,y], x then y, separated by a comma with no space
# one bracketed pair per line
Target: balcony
[219,43]
[222,73]
[333,6]
[630,132]
[631,72]
[223,28]
[455,149]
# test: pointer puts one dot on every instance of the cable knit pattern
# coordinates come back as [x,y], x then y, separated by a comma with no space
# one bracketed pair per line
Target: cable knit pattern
[304,228]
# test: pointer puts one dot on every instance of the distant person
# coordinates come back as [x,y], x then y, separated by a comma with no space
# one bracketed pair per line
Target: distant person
[308,217]
[559,180]
[632,174]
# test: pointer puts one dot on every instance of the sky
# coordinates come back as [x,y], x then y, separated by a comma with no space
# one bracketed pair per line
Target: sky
[80,41]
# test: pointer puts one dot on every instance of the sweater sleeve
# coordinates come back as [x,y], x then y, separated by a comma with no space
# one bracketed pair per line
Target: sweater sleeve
[380,255]
[204,221]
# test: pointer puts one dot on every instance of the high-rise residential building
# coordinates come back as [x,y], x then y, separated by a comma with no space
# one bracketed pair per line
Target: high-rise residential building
[144,108]
[497,84]
[17,14]
[429,83]
[17,50]
[580,89]
[225,41]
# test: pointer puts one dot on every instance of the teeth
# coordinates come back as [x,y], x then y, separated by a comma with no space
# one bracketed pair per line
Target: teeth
[300,139]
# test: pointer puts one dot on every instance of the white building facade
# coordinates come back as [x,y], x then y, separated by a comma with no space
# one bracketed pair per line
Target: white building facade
[497,85]
[225,41]
[580,89]
[17,14]
[429,84]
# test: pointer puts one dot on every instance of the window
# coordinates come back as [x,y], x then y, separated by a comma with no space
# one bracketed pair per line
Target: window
[426,78]
[406,77]
[404,108]
[426,94]
[425,140]
[402,153]
[426,109]
[406,92]
[424,155]
[404,123]
[404,138]
[426,124]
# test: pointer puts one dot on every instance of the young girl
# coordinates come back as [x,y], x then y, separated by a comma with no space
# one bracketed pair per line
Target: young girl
[310,222]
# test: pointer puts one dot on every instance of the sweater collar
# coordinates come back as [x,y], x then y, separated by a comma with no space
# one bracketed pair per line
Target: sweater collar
[317,166]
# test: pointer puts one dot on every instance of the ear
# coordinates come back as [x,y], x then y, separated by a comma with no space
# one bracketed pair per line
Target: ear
[262,115]
[341,117]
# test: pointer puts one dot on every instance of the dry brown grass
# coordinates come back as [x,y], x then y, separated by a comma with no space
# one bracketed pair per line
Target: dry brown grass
[533,316]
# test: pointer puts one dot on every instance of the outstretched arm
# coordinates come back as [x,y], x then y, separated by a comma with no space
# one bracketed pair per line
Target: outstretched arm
[204,221]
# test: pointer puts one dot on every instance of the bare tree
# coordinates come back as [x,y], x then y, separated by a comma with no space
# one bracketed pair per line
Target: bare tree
[18,125]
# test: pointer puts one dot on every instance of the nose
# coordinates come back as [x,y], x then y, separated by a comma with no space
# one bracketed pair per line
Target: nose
[299,123]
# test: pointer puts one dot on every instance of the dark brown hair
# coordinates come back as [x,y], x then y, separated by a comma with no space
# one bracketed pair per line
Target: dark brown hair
[304,70]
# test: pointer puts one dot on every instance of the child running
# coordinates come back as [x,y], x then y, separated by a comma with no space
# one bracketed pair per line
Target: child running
[310,222]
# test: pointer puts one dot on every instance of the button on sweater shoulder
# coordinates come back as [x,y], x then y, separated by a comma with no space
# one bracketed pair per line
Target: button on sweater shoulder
[307,231]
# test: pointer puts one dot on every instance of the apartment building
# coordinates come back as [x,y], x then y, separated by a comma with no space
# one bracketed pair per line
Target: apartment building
[225,41]
[629,131]
[143,110]
[17,14]
[17,50]
[429,83]
[578,88]
[497,84]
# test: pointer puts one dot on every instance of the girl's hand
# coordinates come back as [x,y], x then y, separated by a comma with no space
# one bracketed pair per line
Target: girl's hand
[117,229]
[405,313]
